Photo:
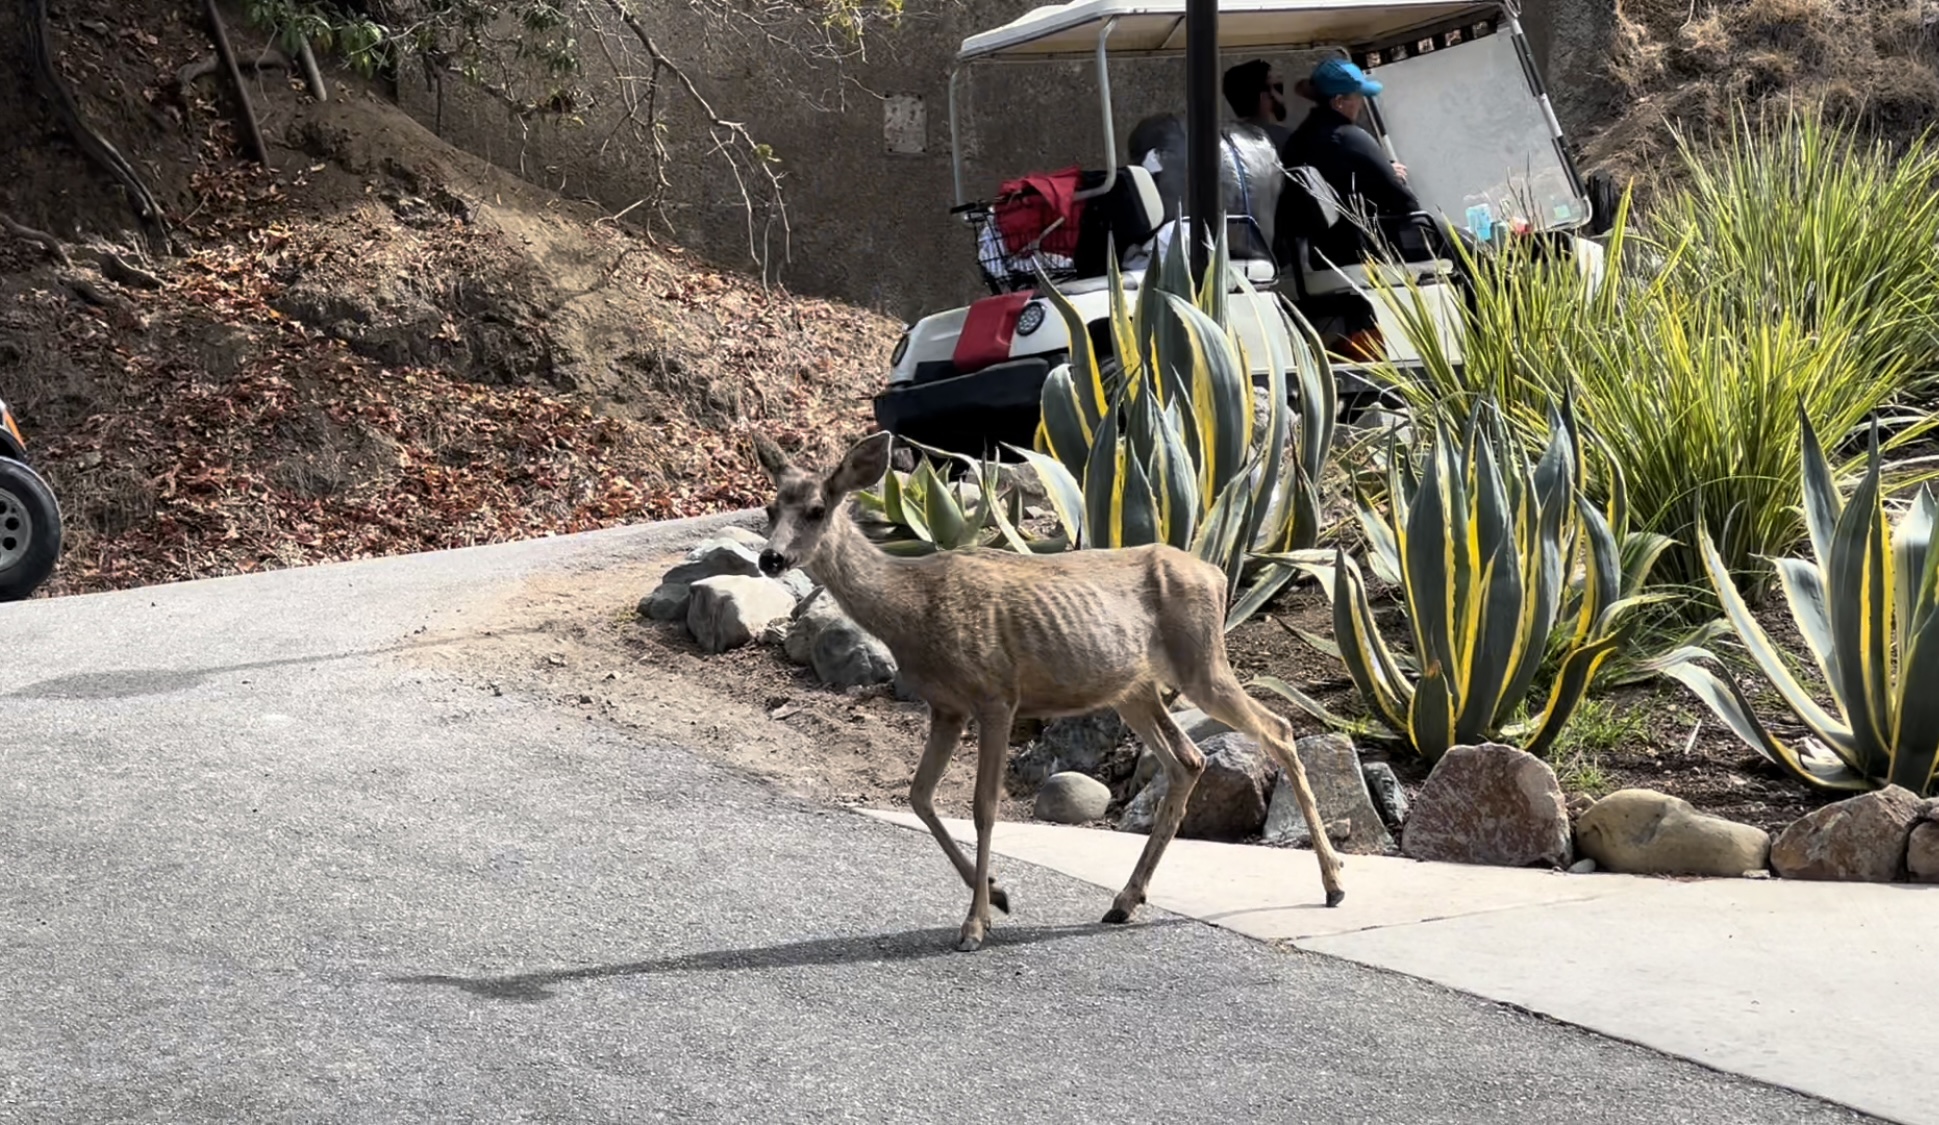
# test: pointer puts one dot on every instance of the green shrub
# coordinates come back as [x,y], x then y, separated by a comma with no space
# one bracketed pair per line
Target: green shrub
[1868,608]
[1483,543]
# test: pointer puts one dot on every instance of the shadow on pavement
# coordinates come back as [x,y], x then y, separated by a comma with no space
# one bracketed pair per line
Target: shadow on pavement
[911,945]
[128,683]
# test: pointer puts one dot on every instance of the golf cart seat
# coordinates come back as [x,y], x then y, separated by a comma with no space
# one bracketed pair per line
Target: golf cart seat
[1126,218]
[1309,208]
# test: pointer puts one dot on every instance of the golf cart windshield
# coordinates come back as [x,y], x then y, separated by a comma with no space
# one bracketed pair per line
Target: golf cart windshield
[1463,107]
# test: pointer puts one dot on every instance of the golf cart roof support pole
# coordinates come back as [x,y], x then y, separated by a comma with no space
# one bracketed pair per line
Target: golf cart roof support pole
[1110,123]
[1202,127]
[955,149]
[1511,13]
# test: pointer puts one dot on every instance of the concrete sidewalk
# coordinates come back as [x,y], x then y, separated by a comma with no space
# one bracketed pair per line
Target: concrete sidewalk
[1818,987]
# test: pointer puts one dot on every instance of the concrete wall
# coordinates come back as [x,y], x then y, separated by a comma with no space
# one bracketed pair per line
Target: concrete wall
[867,162]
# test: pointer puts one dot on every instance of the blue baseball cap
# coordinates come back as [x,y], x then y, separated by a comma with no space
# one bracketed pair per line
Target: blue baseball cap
[1337,76]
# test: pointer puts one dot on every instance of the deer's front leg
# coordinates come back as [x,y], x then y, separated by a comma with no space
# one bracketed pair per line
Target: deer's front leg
[993,746]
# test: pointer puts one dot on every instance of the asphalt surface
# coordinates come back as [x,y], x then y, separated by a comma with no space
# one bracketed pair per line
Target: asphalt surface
[255,866]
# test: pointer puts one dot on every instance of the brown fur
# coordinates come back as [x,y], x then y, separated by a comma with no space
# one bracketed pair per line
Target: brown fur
[991,635]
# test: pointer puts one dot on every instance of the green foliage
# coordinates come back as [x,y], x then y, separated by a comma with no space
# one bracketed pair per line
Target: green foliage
[1482,543]
[1159,447]
[1868,608]
[925,513]
[1794,267]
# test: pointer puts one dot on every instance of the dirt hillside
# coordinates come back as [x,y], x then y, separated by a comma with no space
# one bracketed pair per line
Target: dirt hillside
[1875,62]
[379,344]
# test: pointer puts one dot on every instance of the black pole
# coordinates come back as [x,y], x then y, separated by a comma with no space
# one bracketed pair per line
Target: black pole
[1202,128]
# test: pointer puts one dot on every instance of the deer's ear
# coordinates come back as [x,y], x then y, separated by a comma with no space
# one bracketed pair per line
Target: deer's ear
[864,464]
[769,454]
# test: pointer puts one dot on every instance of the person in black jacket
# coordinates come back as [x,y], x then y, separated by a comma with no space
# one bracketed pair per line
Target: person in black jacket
[1332,143]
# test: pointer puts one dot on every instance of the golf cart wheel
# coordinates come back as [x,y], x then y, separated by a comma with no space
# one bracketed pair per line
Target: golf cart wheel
[30,530]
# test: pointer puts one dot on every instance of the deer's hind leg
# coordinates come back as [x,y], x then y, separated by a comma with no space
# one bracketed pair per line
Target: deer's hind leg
[1183,763]
[945,734]
[1219,694]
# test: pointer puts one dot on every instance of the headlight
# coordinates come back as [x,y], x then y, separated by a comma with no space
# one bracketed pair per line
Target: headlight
[901,349]
[6,419]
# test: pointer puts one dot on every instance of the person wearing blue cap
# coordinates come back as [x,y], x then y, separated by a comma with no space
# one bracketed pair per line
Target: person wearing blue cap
[1331,142]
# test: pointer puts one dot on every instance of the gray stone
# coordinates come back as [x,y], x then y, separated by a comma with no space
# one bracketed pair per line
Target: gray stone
[1922,847]
[1583,867]
[746,537]
[1072,798]
[729,610]
[1490,804]
[668,602]
[1197,725]
[811,616]
[1388,796]
[1228,803]
[1643,832]
[715,558]
[843,656]
[1333,773]
[1860,839]
[1084,742]
[798,583]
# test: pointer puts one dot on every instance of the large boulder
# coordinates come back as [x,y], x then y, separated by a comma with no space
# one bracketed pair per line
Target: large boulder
[1643,832]
[1072,798]
[1922,847]
[730,610]
[1490,804]
[1197,725]
[1333,773]
[1228,803]
[1861,839]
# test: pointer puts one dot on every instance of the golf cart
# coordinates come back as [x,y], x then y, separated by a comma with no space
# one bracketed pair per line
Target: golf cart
[30,519]
[1463,108]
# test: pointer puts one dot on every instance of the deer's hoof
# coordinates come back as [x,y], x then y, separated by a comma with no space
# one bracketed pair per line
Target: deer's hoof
[971,940]
[999,897]
[1334,898]
[1116,916]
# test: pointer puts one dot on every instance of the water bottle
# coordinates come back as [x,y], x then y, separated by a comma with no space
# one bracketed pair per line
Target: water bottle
[1480,215]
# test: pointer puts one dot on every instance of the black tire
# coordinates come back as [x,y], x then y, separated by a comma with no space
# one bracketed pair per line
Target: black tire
[30,530]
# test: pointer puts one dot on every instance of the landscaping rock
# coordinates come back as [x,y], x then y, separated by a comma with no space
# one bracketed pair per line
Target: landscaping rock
[1388,796]
[1490,804]
[746,537]
[1643,832]
[1072,798]
[1084,742]
[811,616]
[727,611]
[668,602]
[1922,847]
[1583,867]
[1861,839]
[843,656]
[1228,803]
[798,583]
[1333,771]
[715,558]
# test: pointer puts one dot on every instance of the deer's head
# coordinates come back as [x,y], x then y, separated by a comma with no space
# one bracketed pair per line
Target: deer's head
[805,503]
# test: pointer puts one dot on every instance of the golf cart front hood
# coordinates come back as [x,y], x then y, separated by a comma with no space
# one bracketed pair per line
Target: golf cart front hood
[1157,27]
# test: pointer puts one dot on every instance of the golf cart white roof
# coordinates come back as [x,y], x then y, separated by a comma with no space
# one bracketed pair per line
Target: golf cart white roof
[1150,27]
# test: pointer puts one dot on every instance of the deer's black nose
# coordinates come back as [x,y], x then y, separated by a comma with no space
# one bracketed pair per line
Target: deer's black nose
[773,563]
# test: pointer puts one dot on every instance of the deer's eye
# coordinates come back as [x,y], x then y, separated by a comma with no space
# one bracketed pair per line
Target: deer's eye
[815,513]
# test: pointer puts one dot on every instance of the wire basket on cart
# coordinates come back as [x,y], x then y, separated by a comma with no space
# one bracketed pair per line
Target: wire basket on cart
[1019,234]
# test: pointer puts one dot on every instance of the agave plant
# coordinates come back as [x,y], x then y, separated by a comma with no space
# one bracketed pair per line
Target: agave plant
[1868,608]
[925,513]
[1157,444]
[1481,544]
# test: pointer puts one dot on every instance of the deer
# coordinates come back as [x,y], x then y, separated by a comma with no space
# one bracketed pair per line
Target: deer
[994,635]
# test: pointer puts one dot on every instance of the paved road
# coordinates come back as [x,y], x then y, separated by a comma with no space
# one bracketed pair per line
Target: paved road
[254,867]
